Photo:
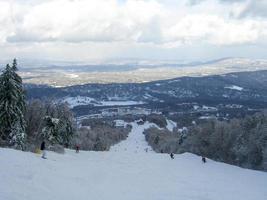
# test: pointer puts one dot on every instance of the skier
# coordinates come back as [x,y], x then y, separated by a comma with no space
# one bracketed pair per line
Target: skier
[77,148]
[43,150]
[172,156]
[204,159]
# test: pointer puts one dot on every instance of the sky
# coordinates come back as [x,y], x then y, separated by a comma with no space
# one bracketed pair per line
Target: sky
[88,30]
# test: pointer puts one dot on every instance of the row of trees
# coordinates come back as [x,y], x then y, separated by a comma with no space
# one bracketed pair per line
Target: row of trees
[23,124]
[241,142]
[100,137]
[49,121]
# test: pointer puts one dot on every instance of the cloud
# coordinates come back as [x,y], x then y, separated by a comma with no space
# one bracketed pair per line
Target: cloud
[195,2]
[80,21]
[255,8]
[232,1]
[121,24]
[137,21]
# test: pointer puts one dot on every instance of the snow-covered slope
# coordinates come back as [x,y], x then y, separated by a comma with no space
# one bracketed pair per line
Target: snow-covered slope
[135,142]
[83,100]
[120,174]
[170,124]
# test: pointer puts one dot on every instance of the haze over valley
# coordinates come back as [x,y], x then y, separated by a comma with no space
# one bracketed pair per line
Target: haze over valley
[67,74]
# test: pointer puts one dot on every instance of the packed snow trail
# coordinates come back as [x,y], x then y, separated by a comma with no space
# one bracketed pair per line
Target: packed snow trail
[135,142]
[127,172]
[124,176]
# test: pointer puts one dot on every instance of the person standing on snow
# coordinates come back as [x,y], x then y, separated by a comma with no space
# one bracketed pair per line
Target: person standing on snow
[172,156]
[43,150]
[204,159]
[77,148]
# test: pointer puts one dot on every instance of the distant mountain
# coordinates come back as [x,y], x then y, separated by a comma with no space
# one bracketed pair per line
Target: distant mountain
[67,74]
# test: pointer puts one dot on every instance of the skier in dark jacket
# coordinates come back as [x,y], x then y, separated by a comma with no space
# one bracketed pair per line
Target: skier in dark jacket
[43,150]
[77,148]
[204,159]
[172,156]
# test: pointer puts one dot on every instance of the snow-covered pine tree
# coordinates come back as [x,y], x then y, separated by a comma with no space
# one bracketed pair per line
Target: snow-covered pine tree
[17,136]
[18,80]
[50,131]
[57,131]
[12,107]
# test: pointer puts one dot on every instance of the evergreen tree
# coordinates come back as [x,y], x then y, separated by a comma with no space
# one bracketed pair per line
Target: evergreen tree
[12,106]
[50,131]
[17,136]
[57,131]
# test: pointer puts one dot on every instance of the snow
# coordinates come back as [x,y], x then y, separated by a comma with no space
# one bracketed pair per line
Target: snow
[120,123]
[184,129]
[173,81]
[196,107]
[206,117]
[170,124]
[55,120]
[234,87]
[119,103]
[126,172]
[136,142]
[209,108]
[83,100]
[72,75]
[78,101]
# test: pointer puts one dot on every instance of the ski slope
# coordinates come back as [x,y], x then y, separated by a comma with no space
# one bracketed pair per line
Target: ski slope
[131,174]
[135,142]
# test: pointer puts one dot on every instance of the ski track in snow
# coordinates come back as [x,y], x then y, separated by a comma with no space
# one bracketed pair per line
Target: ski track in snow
[126,172]
[170,124]
[135,142]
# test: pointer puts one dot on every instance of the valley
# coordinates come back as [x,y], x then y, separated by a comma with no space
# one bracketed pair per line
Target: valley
[191,98]
[62,74]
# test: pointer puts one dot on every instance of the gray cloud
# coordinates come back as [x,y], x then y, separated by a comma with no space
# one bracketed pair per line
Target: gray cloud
[255,9]
[232,1]
[48,27]
[195,2]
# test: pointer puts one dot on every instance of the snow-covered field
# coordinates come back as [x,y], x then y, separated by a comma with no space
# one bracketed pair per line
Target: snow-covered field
[82,100]
[127,172]
[234,87]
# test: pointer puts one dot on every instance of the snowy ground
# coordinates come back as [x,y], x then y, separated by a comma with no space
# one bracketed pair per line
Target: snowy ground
[135,142]
[234,87]
[83,100]
[127,172]
[170,124]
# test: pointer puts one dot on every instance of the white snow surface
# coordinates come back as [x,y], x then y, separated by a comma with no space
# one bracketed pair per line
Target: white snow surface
[234,87]
[170,124]
[119,103]
[136,142]
[82,100]
[127,172]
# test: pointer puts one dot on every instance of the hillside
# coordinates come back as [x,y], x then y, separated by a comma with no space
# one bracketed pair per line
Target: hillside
[126,172]
[229,94]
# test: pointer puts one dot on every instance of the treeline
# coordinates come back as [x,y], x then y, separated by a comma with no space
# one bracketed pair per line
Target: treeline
[241,142]
[24,125]
[48,121]
[100,135]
